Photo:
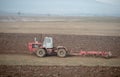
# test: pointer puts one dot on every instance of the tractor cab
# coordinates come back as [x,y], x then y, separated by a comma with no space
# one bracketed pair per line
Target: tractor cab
[48,42]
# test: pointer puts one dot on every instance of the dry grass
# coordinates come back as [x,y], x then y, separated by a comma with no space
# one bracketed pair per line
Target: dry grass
[83,26]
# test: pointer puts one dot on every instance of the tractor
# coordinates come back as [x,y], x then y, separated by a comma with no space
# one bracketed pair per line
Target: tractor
[47,47]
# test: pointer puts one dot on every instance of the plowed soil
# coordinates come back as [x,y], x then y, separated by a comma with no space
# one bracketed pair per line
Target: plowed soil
[58,71]
[17,42]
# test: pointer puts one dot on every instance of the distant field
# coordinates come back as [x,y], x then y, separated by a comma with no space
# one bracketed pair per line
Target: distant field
[58,18]
[105,26]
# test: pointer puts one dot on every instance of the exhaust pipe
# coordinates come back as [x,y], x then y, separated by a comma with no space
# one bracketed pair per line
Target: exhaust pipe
[35,40]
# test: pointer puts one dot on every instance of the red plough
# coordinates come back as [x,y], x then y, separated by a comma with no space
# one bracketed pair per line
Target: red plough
[96,53]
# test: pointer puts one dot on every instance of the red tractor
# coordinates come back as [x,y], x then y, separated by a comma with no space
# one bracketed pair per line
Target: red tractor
[42,49]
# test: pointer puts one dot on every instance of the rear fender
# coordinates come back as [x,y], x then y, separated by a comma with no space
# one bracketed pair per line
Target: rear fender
[62,47]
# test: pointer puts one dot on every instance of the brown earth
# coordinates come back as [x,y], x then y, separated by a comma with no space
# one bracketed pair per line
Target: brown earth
[100,34]
[75,33]
[13,65]
[58,71]
[17,42]
[27,59]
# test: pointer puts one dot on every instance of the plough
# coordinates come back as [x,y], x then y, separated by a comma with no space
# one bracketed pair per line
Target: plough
[92,53]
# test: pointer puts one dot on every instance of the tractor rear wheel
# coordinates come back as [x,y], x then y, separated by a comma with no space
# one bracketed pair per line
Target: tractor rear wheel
[41,52]
[61,53]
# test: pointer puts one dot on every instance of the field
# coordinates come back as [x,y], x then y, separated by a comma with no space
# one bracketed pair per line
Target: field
[20,59]
[58,71]
[75,25]
[19,65]
[86,33]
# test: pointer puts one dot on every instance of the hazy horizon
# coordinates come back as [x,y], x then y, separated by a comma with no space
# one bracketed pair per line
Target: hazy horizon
[60,7]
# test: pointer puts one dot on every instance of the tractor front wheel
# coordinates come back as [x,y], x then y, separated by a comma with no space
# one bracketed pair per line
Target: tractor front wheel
[41,52]
[61,53]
